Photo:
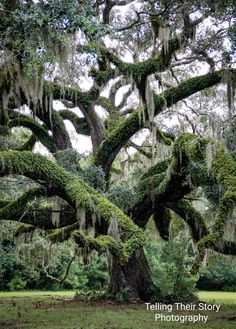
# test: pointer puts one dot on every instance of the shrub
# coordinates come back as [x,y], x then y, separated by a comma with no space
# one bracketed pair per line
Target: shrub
[170,265]
[220,275]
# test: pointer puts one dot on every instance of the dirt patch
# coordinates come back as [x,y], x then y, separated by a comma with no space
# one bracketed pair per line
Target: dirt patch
[73,303]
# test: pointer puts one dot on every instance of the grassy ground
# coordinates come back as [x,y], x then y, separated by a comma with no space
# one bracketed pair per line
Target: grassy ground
[57,310]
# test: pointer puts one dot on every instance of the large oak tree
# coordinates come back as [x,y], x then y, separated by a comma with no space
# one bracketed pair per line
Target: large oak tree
[159,54]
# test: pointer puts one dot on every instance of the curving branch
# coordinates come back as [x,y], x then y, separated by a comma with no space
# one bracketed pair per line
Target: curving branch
[29,144]
[83,198]
[79,124]
[140,71]
[37,129]
[165,185]
[86,101]
[20,210]
[128,127]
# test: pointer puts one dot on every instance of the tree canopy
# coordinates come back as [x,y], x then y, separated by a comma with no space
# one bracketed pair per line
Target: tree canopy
[119,69]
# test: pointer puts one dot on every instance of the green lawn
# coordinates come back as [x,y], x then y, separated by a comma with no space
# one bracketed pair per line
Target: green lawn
[220,297]
[57,310]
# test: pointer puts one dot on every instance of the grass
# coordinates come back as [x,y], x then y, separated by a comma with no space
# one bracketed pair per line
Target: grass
[220,297]
[57,310]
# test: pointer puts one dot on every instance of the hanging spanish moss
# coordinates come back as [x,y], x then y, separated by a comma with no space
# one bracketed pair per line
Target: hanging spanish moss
[163,151]
[47,108]
[214,127]
[150,105]
[230,228]
[56,208]
[81,218]
[94,219]
[2,164]
[153,142]
[229,80]
[149,97]
[164,36]
[32,87]
[113,229]
[209,157]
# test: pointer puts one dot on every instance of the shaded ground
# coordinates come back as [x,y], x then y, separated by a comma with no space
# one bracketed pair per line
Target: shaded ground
[59,311]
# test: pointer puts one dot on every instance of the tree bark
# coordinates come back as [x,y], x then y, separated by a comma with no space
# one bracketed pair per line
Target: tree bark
[134,276]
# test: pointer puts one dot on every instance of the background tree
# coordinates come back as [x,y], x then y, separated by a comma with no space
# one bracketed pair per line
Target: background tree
[152,54]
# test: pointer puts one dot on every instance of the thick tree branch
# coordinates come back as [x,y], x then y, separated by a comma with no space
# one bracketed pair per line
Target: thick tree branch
[86,102]
[128,127]
[41,134]
[79,124]
[78,194]
[20,210]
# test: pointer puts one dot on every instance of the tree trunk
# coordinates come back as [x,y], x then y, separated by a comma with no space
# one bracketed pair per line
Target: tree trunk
[135,277]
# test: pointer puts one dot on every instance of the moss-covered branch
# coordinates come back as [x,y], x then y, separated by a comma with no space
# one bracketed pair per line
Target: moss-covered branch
[29,144]
[223,173]
[15,209]
[192,217]
[36,128]
[107,105]
[101,244]
[162,187]
[128,127]
[24,229]
[79,124]
[162,137]
[71,188]
[140,71]
[36,214]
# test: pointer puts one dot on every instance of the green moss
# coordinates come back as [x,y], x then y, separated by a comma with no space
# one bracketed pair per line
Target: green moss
[126,129]
[121,135]
[3,203]
[74,190]
[158,168]
[117,138]
[114,115]
[80,124]
[224,168]
[36,128]
[14,209]
[102,77]
[177,224]
[101,244]
[145,68]
[29,144]
[161,137]
[63,234]
[191,146]
[76,96]
[24,228]
[191,86]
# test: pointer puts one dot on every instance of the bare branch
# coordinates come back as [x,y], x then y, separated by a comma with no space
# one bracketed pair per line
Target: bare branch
[45,268]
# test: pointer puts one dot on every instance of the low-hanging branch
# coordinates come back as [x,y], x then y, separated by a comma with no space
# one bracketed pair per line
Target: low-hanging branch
[45,268]
[21,210]
[199,229]
[165,185]
[77,193]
